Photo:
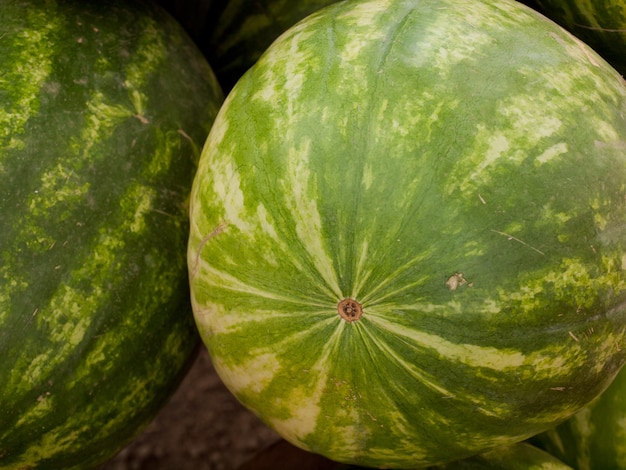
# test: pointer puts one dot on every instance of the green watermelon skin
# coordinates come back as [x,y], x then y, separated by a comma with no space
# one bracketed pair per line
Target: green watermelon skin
[104,108]
[596,436]
[457,169]
[601,24]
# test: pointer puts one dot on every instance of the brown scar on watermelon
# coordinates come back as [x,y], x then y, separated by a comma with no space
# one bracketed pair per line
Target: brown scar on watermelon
[219,229]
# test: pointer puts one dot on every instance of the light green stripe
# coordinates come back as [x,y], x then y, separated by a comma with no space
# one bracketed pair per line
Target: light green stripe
[304,401]
[24,81]
[216,319]
[227,187]
[381,292]
[20,87]
[470,354]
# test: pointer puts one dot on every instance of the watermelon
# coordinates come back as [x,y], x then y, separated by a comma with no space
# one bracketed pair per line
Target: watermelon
[104,108]
[601,24]
[408,230]
[594,438]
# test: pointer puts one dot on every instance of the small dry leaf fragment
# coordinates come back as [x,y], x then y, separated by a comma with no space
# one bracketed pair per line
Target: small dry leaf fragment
[456,280]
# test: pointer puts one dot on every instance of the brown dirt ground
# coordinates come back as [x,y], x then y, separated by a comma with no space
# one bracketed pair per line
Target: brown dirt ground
[203,427]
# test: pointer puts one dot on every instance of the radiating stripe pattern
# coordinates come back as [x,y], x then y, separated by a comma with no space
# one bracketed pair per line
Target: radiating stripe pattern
[458,169]
[103,111]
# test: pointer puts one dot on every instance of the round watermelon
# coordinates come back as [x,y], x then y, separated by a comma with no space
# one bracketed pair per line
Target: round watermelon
[104,108]
[408,230]
[601,24]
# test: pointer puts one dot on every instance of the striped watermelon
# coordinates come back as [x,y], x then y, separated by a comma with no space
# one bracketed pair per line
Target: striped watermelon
[594,438]
[408,230]
[601,24]
[104,107]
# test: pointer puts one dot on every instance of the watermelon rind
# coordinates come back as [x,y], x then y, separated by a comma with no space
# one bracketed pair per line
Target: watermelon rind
[408,230]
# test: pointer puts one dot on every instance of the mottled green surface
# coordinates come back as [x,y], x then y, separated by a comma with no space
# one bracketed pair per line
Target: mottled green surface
[103,109]
[457,167]
[600,23]
[595,438]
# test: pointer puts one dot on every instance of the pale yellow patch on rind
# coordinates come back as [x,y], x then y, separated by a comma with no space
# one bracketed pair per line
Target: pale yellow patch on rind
[552,152]
[227,187]
[253,376]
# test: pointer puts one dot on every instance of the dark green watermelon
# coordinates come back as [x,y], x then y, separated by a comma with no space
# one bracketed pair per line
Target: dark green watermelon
[103,109]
